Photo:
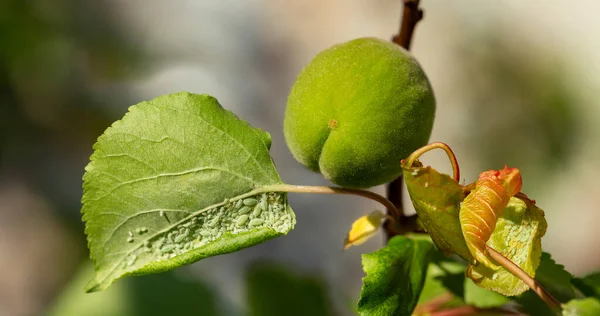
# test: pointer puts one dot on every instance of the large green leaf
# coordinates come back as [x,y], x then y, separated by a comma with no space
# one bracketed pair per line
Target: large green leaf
[176,180]
[274,290]
[584,307]
[436,198]
[394,277]
[517,236]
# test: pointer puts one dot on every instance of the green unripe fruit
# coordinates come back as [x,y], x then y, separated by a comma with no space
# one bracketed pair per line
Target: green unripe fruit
[356,110]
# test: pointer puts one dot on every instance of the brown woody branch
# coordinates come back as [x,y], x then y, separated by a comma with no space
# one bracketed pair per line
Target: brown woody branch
[410,17]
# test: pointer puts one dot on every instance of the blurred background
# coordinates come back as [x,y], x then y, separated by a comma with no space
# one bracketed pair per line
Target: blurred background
[515,81]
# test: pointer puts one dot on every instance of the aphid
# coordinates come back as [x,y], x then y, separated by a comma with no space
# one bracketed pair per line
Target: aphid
[180,238]
[160,242]
[167,248]
[250,201]
[257,210]
[256,222]
[263,203]
[213,222]
[245,210]
[481,209]
[161,213]
[238,204]
[130,239]
[240,221]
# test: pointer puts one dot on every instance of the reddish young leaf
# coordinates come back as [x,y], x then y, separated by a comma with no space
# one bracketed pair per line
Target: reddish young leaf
[481,209]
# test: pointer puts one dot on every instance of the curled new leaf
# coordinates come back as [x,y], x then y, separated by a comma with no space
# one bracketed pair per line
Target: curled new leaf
[490,217]
[364,228]
[484,205]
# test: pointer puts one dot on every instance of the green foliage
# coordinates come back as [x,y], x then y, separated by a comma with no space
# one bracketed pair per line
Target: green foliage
[179,179]
[176,180]
[583,307]
[448,276]
[482,298]
[338,118]
[394,277]
[155,295]
[273,290]
[555,279]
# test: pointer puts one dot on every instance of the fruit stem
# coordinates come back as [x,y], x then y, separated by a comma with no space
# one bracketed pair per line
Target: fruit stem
[417,153]
[334,190]
[531,282]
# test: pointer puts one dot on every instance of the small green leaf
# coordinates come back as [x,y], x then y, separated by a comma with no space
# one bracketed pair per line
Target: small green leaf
[166,186]
[394,277]
[588,285]
[584,307]
[555,279]
[482,298]
[274,290]
[517,236]
[436,198]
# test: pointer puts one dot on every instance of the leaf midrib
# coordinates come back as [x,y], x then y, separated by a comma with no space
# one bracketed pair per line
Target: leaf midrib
[172,174]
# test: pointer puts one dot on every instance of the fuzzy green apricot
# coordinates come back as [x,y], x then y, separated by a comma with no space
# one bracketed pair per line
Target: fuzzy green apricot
[356,110]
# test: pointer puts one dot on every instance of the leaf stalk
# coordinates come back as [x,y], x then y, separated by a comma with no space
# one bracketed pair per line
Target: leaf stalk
[531,282]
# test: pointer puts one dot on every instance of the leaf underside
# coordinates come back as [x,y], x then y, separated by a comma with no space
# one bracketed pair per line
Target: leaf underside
[518,237]
[176,180]
[394,277]
[436,198]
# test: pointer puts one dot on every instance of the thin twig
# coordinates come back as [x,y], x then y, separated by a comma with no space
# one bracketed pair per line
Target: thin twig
[334,190]
[532,283]
[410,17]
